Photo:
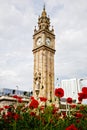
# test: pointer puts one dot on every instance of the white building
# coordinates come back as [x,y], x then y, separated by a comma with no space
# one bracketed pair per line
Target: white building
[72,87]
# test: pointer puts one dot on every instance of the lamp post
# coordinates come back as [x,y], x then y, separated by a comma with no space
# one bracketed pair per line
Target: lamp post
[80,83]
[17,90]
[58,82]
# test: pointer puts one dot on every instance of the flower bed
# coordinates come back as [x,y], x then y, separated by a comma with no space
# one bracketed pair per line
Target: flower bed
[38,116]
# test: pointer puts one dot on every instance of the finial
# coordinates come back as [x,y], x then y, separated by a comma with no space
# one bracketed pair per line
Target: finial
[52,29]
[35,29]
[44,7]
[44,12]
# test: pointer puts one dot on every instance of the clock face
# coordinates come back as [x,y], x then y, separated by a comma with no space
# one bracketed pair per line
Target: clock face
[48,41]
[39,41]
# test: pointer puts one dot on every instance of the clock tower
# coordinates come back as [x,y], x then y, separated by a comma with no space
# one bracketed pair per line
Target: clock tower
[43,51]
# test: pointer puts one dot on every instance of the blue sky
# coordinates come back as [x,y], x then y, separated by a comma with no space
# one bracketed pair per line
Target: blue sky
[17,21]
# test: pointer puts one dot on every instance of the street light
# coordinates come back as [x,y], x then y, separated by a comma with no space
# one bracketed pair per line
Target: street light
[17,90]
[80,83]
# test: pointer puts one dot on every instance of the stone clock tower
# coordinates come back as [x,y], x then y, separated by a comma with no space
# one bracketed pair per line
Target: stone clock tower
[43,51]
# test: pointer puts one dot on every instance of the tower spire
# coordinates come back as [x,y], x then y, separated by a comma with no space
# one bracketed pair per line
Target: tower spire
[44,6]
[44,14]
[43,20]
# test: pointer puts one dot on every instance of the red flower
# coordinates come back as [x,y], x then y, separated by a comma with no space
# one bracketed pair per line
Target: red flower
[32,113]
[82,95]
[78,115]
[19,99]
[81,108]
[59,92]
[42,108]
[16,116]
[69,100]
[6,107]
[31,97]
[80,98]
[84,90]
[4,116]
[15,96]
[71,127]
[1,109]
[34,104]
[43,99]
[73,106]
[9,114]
[55,110]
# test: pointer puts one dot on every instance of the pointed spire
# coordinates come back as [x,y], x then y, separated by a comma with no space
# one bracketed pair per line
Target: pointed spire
[43,20]
[44,6]
[44,14]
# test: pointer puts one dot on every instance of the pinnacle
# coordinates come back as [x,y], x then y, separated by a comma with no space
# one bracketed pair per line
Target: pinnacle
[44,14]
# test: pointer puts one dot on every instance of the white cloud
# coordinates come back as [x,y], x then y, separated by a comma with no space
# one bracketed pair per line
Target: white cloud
[71,30]
[17,21]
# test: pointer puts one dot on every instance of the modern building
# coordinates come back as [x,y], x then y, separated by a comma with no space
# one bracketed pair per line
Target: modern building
[43,51]
[72,87]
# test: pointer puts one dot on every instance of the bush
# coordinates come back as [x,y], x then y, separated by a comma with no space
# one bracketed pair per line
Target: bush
[35,116]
